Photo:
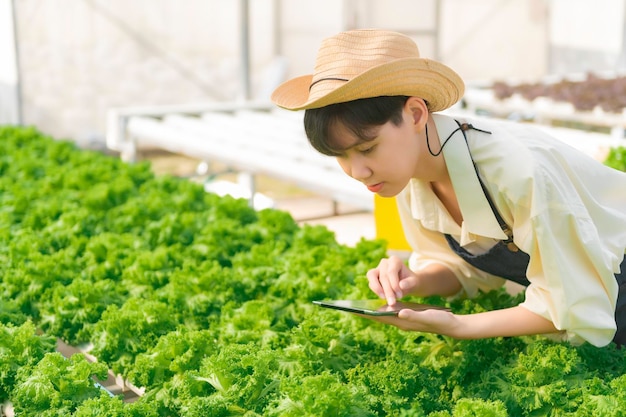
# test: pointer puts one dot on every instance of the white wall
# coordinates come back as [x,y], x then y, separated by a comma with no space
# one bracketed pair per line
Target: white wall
[591,38]
[495,39]
[79,58]
[480,39]
[302,26]
[581,30]
[9,88]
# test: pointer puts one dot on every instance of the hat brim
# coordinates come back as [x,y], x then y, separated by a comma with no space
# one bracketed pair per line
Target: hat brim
[432,81]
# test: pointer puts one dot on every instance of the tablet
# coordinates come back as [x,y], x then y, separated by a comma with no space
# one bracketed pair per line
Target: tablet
[375,307]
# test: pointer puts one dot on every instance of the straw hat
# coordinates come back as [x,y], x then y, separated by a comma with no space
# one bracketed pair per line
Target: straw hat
[370,63]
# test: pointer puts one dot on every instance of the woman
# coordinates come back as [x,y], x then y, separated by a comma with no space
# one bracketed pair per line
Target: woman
[480,201]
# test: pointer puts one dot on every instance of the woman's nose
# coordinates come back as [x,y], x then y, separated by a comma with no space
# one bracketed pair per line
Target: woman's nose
[355,168]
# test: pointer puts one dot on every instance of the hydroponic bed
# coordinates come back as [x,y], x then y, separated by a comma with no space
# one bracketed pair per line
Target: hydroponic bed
[205,304]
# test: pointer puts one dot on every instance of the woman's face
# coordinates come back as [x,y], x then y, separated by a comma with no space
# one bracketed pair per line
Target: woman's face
[386,163]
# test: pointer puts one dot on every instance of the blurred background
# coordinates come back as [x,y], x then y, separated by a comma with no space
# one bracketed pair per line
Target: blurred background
[66,62]
[71,67]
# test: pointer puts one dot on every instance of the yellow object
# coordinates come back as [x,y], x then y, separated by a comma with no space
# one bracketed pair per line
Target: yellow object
[388,225]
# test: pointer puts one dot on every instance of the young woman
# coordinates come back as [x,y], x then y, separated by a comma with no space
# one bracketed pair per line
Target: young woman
[480,201]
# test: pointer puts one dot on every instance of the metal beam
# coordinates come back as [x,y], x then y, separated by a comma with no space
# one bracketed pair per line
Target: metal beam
[245,49]
[10,92]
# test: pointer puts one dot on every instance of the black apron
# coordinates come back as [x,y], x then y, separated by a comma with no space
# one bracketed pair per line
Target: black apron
[509,262]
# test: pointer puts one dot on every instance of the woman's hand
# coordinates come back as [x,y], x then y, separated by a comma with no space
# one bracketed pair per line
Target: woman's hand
[430,321]
[513,321]
[392,279]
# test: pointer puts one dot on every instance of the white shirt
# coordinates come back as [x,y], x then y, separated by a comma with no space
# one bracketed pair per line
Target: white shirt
[567,212]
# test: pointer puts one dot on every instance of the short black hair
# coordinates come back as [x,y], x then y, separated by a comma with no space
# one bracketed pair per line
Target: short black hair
[358,116]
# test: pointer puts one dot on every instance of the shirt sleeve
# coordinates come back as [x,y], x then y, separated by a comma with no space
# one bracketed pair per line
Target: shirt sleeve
[568,213]
[570,282]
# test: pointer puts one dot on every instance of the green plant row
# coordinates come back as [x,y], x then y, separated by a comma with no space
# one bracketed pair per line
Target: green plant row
[206,304]
[617,158]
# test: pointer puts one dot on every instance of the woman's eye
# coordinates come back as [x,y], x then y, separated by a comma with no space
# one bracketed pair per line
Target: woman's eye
[368,150]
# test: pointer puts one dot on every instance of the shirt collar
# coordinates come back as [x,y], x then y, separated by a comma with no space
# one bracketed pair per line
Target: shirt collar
[478,217]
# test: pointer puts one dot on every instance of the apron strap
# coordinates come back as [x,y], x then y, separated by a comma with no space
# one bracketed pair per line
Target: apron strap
[463,127]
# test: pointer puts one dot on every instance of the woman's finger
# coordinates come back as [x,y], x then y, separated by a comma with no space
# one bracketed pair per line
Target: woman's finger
[374,282]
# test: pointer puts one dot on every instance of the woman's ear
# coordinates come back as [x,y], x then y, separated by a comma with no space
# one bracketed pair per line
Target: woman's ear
[418,110]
